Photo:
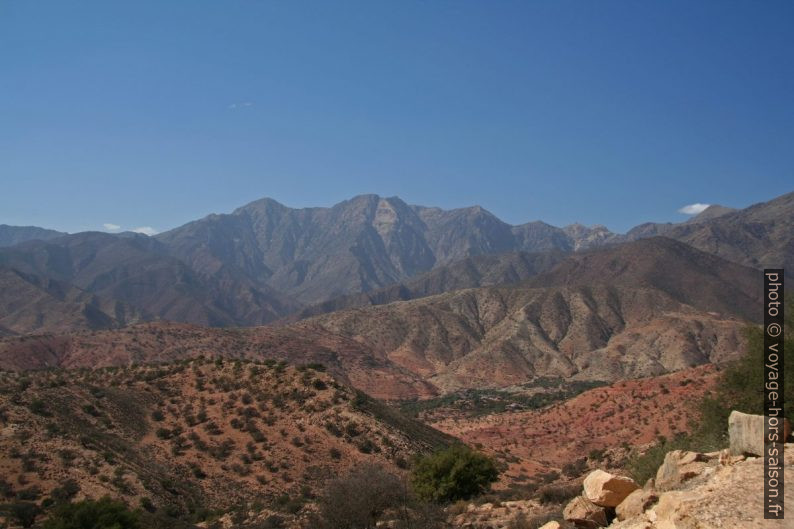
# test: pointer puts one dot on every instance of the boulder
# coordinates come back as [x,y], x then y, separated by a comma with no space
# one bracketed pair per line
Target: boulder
[636,503]
[680,466]
[746,433]
[550,525]
[585,514]
[607,490]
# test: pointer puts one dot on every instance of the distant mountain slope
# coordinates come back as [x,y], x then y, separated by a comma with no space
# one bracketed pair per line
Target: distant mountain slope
[477,271]
[29,303]
[137,271]
[627,320]
[11,235]
[360,245]
[265,261]
[761,236]
[688,275]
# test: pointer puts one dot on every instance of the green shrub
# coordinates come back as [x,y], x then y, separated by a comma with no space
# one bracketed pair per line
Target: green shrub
[90,514]
[455,473]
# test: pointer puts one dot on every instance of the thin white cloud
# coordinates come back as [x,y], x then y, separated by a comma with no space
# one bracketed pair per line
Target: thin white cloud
[693,209]
[111,227]
[146,230]
[244,104]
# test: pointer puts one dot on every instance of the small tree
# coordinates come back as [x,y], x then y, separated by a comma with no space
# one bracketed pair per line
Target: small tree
[455,473]
[90,514]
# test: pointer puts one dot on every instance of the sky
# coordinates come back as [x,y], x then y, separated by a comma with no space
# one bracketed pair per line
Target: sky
[148,114]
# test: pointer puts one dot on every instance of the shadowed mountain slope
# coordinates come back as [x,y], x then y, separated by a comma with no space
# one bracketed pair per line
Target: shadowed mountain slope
[11,235]
[136,270]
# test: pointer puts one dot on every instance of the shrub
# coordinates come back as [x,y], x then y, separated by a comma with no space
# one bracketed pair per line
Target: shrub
[90,514]
[558,493]
[24,513]
[455,473]
[65,492]
[359,499]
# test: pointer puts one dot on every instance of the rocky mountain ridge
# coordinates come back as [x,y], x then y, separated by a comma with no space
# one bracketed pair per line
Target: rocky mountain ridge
[265,261]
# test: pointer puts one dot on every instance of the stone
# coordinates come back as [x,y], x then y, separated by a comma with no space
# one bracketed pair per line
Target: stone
[607,490]
[550,525]
[746,433]
[636,503]
[680,466]
[585,514]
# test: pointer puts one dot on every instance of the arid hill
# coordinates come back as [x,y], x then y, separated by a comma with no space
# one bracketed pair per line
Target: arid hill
[194,436]
[602,422]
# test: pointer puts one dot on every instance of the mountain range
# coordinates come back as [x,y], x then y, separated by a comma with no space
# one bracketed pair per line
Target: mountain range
[265,261]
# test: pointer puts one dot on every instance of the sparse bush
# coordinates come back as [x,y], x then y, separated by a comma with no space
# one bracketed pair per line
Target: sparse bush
[359,499]
[558,493]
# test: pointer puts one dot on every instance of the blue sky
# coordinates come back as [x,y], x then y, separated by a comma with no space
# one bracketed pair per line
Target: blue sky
[156,113]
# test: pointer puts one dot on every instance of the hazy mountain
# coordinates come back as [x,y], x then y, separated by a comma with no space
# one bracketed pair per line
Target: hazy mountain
[360,245]
[30,303]
[477,271]
[137,271]
[688,275]
[265,261]
[11,235]
[759,236]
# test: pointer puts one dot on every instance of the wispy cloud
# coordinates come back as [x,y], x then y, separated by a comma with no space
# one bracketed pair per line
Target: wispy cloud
[111,227]
[146,230]
[693,209]
[244,104]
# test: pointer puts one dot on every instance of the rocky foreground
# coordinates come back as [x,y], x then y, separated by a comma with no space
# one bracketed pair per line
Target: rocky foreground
[691,490]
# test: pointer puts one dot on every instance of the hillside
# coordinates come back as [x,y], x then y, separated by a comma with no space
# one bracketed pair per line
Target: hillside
[192,437]
[688,275]
[478,271]
[616,417]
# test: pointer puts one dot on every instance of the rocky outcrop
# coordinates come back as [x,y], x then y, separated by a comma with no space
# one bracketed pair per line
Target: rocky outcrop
[691,490]
[724,492]
[747,433]
[679,466]
[585,514]
[636,503]
[607,490]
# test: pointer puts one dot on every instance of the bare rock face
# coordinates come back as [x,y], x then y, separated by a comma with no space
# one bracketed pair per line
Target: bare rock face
[746,433]
[636,503]
[585,514]
[679,467]
[608,490]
